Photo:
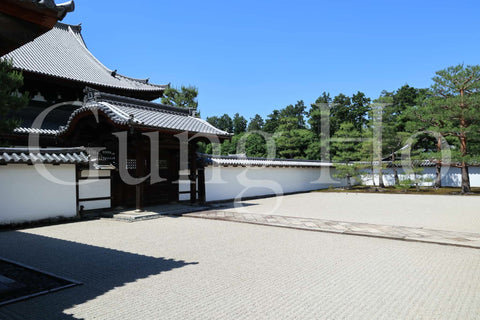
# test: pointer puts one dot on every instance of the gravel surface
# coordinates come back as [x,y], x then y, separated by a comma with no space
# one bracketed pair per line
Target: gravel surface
[184,268]
[451,213]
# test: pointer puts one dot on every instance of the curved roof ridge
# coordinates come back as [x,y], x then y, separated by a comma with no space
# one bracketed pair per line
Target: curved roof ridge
[125,114]
[145,81]
[112,113]
[83,45]
[138,103]
[115,110]
[210,125]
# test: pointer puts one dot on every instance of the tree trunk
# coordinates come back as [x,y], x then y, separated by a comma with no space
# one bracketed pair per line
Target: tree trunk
[415,179]
[465,178]
[373,176]
[463,149]
[395,171]
[438,175]
[438,166]
[380,178]
[349,183]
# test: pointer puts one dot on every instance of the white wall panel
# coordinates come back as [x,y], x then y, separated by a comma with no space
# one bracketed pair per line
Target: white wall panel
[95,204]
[25,195]
[93,188]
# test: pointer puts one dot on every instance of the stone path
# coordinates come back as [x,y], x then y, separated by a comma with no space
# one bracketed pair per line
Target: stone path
[152,212]
[463,239]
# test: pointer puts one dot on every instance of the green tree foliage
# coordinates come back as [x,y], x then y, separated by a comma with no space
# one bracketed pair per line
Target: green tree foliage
[186,97]
[256,146]
[293,144]
[453,109]
[272,122]
[339,112]
[346,171]
[224,122]
[450,107]
[294,115]
[239,124]
[10,98]
[346,148]
[256,123]
[291,115]
[315,112]
[229,147]
[346,143]
[359,110]
[346,109]
[293,139]
[214,121]
[396,119]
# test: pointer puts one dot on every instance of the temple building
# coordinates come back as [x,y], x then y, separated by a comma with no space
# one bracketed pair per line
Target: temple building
[82,103]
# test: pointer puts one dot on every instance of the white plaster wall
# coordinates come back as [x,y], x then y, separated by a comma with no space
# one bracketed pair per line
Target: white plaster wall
[451,177]
[96,204]
[427,178]
[234,182]
[184,185]
[474,173]
[25,195]
[94,188]
[94,173]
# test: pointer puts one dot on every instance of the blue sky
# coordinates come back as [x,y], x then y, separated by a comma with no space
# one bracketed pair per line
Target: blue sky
[255,56]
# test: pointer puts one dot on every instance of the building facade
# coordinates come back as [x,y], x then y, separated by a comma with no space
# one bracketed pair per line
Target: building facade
[78,102]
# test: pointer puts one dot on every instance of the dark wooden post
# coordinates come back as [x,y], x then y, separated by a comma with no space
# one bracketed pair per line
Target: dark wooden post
[201,185]
[77,187]
[140,170]
[193,173]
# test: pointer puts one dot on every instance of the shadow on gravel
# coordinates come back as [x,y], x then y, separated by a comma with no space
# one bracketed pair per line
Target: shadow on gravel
[99,269]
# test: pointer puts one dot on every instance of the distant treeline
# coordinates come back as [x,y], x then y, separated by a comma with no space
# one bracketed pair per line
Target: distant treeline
[440,123]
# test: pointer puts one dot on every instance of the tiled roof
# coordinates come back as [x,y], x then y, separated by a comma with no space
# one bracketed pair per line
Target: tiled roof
[61,52]
[43,155]
[243,161]
[226,161]
[139,113]
[426,163]
[24,130]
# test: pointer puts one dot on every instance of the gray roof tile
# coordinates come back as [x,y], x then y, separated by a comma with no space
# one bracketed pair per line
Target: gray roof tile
[44,155]
[225,161]
[138,113]
[61,52]
[25,130]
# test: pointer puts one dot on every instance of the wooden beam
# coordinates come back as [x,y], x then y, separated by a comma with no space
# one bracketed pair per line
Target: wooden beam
[45,18]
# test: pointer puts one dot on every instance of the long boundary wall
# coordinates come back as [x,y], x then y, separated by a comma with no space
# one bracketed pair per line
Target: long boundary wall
[234,182]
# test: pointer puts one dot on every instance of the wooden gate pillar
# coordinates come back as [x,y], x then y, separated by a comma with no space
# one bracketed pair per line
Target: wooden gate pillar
[140,171]
[193,173]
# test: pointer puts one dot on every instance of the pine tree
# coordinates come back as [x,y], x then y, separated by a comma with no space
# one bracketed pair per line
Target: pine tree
[10,98]
[453,109]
